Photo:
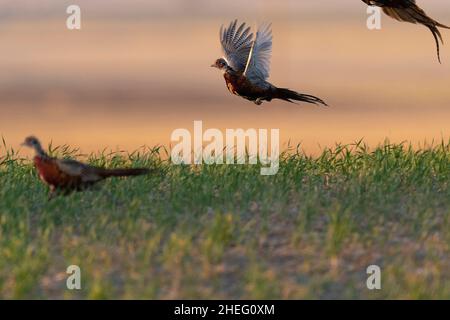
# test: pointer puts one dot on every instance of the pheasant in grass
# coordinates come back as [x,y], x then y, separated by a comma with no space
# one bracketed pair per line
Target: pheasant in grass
[246,65]
[407,10]
[70,175]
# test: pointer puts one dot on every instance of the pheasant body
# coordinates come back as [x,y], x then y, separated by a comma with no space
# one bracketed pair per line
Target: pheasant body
[239,85]
[246,65]
[53,176]
[69,175]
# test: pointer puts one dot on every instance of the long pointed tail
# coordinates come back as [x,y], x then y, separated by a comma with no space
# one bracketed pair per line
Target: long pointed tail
[437,36]
[421,17]
[105,173]
[415,14]
[289,95]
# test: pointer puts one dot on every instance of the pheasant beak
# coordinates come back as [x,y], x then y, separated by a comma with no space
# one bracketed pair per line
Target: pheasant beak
[25,144]
[213,65]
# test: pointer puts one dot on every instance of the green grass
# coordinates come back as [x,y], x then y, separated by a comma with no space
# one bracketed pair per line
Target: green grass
[227,232]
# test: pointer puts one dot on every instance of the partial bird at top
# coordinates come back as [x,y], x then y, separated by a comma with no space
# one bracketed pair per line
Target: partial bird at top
[407,10]
[247,62]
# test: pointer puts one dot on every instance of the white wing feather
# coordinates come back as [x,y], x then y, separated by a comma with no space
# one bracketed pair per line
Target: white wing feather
[257,69]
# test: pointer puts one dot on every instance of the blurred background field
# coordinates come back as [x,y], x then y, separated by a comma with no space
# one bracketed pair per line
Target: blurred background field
[140,69]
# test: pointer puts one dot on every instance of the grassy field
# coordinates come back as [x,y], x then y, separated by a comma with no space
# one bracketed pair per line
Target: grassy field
[227,232]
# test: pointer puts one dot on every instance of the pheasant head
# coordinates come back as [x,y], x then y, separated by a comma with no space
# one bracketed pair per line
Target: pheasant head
[34,143]
[221,64]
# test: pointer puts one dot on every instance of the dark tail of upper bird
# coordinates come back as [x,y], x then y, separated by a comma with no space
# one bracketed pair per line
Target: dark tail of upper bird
[437,36]
[415,14]
[289,95]
[105,173]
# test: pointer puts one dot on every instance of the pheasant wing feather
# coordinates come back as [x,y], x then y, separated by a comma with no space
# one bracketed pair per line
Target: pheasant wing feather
[77,169]
[258,65]
[236,44]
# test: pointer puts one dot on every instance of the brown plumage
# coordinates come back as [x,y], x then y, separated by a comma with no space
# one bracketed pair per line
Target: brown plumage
[246,66]
[408,11]
[69,175]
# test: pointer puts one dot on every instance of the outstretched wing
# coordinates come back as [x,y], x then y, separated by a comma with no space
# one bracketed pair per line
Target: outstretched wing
[236,45]
[258,64]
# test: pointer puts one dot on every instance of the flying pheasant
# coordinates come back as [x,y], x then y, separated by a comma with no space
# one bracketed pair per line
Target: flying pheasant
[70,175]
[246,65]
[407,10]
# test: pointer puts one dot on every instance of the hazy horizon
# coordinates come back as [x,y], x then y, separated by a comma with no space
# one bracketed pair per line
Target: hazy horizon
[135,73]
